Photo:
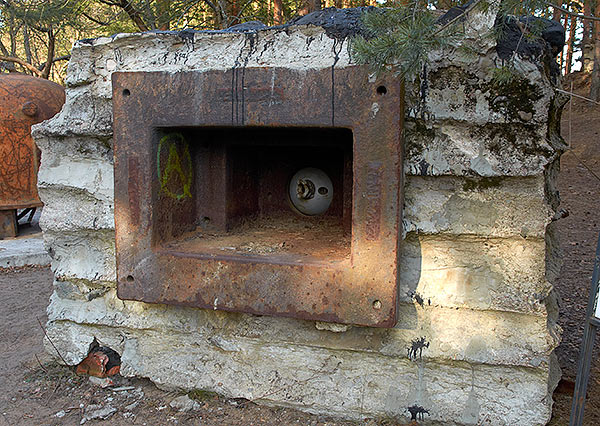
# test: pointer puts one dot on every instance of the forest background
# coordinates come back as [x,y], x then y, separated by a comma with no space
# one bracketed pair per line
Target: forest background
[36,35]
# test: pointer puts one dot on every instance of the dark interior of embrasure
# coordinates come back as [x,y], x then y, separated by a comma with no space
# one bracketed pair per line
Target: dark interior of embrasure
[224,191]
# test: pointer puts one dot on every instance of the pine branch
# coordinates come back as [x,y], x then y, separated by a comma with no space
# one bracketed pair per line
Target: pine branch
[21,62]
[57,59]
[131,11]
[94,20]
[571,13]
[402,38]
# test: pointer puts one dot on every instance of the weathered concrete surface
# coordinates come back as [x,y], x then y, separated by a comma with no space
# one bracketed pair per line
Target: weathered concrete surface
[477,260]
[30,251]
[27,249]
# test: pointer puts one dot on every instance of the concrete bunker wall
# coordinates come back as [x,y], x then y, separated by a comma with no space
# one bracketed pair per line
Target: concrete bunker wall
[477,259]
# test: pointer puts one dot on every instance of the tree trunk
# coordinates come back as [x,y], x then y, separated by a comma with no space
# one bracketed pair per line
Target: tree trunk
[586,38]
[148,16]
[219,13]
[27,44]
[570,44]
[50,56]
[587,24]
[9,65]
[163,14]
[445,4]
[12,32]
[565,24]
[278,12]
[234,12]
[309,6]
[133,14]
[556,15]
[595,86]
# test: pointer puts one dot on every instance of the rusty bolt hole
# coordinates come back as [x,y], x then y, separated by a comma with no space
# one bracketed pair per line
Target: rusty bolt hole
[381,90]
[377,304]
[130,278]
[126,92]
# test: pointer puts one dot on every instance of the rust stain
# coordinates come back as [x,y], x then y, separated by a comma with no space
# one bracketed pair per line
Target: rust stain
[373,214]
[253,94]
[134,190]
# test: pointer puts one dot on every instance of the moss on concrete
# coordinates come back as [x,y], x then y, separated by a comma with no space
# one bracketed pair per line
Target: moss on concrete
[512,97]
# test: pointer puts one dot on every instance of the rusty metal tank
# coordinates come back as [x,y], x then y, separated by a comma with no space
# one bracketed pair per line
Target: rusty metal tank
[24,101]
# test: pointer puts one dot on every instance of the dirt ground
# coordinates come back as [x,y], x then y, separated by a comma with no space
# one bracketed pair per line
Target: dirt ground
[37,391]
[579,187]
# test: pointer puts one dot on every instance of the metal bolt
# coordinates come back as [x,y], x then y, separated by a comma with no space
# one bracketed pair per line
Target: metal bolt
[30,109]
[306,189]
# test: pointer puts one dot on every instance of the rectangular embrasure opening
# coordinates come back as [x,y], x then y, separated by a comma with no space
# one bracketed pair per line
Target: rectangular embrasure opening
[279,192]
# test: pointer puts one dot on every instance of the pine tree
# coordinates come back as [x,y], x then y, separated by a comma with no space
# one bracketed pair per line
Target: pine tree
[402,38]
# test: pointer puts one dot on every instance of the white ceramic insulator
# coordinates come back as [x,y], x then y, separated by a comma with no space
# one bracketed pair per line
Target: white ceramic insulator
[311,191]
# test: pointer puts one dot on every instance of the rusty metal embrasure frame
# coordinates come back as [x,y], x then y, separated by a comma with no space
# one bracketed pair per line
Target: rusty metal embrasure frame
[359,290]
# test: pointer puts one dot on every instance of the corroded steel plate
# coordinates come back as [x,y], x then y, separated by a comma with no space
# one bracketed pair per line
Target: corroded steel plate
[24,101]
[158,188]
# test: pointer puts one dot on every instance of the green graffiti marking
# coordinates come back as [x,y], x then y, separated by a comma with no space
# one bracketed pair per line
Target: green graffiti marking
[174,166]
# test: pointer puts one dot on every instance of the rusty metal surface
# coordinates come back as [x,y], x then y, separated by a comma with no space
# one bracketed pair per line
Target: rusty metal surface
[8,223]
[24,101]
[195,154]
